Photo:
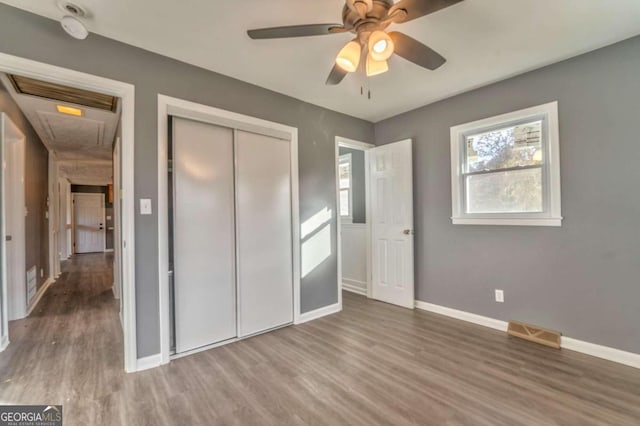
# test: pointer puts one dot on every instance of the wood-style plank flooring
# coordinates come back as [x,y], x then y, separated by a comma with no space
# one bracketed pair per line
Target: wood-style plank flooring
[371,364]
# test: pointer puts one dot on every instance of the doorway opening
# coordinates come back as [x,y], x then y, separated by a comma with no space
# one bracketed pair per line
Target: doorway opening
[354,271]
[67,189]
[374,195]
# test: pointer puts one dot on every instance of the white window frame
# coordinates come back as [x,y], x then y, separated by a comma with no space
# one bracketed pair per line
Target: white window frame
[551,214]
[346,159]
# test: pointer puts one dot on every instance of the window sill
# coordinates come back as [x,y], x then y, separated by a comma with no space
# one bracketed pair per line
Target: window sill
[546,221]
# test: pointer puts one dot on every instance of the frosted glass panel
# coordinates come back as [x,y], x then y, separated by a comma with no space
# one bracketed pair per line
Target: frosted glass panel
[518,191]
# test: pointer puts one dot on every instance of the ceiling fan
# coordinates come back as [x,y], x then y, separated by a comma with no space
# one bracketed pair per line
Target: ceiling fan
[368,20]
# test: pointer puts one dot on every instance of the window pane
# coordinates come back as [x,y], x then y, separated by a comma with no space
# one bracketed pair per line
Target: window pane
[344,169]
[514,146]
[344,202]
[517,191]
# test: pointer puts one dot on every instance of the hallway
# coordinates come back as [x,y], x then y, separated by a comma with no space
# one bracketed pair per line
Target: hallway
[61,351]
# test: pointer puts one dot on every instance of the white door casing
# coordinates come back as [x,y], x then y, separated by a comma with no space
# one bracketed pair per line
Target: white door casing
[89,222]
[117,225]
[13,225]
[391,191]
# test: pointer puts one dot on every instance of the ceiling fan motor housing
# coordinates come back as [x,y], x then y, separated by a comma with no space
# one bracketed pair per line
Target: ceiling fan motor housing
[373,21]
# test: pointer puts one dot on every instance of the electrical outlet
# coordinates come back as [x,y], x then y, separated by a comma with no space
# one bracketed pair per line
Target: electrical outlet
[499,296]
[41,272]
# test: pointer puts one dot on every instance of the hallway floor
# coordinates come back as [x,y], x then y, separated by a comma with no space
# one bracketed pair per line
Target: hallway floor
[373,363]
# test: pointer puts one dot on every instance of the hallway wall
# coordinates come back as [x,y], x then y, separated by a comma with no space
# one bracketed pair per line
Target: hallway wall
[36,191]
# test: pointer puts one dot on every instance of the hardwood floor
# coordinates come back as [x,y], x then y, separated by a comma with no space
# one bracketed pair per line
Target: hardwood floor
[373,363]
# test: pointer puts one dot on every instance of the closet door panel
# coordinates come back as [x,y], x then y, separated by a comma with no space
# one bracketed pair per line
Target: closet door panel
[204,234]
[263,226]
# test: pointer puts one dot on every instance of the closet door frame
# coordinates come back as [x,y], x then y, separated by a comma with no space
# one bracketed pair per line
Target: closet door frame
[168,107]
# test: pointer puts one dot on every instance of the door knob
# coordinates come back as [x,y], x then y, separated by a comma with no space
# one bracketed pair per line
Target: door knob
[8,238]
[407,232]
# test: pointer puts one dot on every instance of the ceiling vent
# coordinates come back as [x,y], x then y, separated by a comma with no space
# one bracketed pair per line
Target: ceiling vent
[58,92]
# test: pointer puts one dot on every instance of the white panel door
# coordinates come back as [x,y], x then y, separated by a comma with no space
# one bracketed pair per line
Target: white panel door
[264,237]
[204,247]
[89,222]
[391,186]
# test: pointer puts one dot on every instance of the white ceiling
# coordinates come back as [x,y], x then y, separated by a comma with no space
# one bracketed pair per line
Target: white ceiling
[83,145]
[484,41]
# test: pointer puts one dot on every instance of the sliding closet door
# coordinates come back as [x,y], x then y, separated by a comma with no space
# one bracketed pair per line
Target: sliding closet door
[204,233]
[263,218]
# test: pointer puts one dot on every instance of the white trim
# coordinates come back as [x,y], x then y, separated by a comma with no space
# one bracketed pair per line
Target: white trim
[354,144]
[148,362]
[552,216]
[354,225]
[365,147]
[52,214]
[187,109]
[354,286]
[463,315]
[18,300]
[39,294]
[611,354]
[319,313]
[126,92]
[605,352]
[108,250]
[507,221]
[4,342]
[346,159]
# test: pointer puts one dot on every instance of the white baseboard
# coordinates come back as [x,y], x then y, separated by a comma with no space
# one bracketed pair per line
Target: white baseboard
[605,352]
[462,315]
[108,250]
[113,290]
[148,362]
[319,313]
[4,342]
[39,294]
[353,286]
[611,354]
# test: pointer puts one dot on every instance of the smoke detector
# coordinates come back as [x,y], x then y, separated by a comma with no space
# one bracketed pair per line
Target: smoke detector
[74,27]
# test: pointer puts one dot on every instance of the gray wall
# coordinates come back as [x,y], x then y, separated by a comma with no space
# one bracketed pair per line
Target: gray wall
[582,279]
[36,190]
[108,208]
[358,185]
[27,35]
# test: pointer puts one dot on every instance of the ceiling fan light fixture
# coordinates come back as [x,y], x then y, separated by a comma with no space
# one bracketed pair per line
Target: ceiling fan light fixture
[349,57]
[380,46]
[376,67]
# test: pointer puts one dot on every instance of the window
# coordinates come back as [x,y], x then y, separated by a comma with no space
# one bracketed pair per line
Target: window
[506,170]
[344,172]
